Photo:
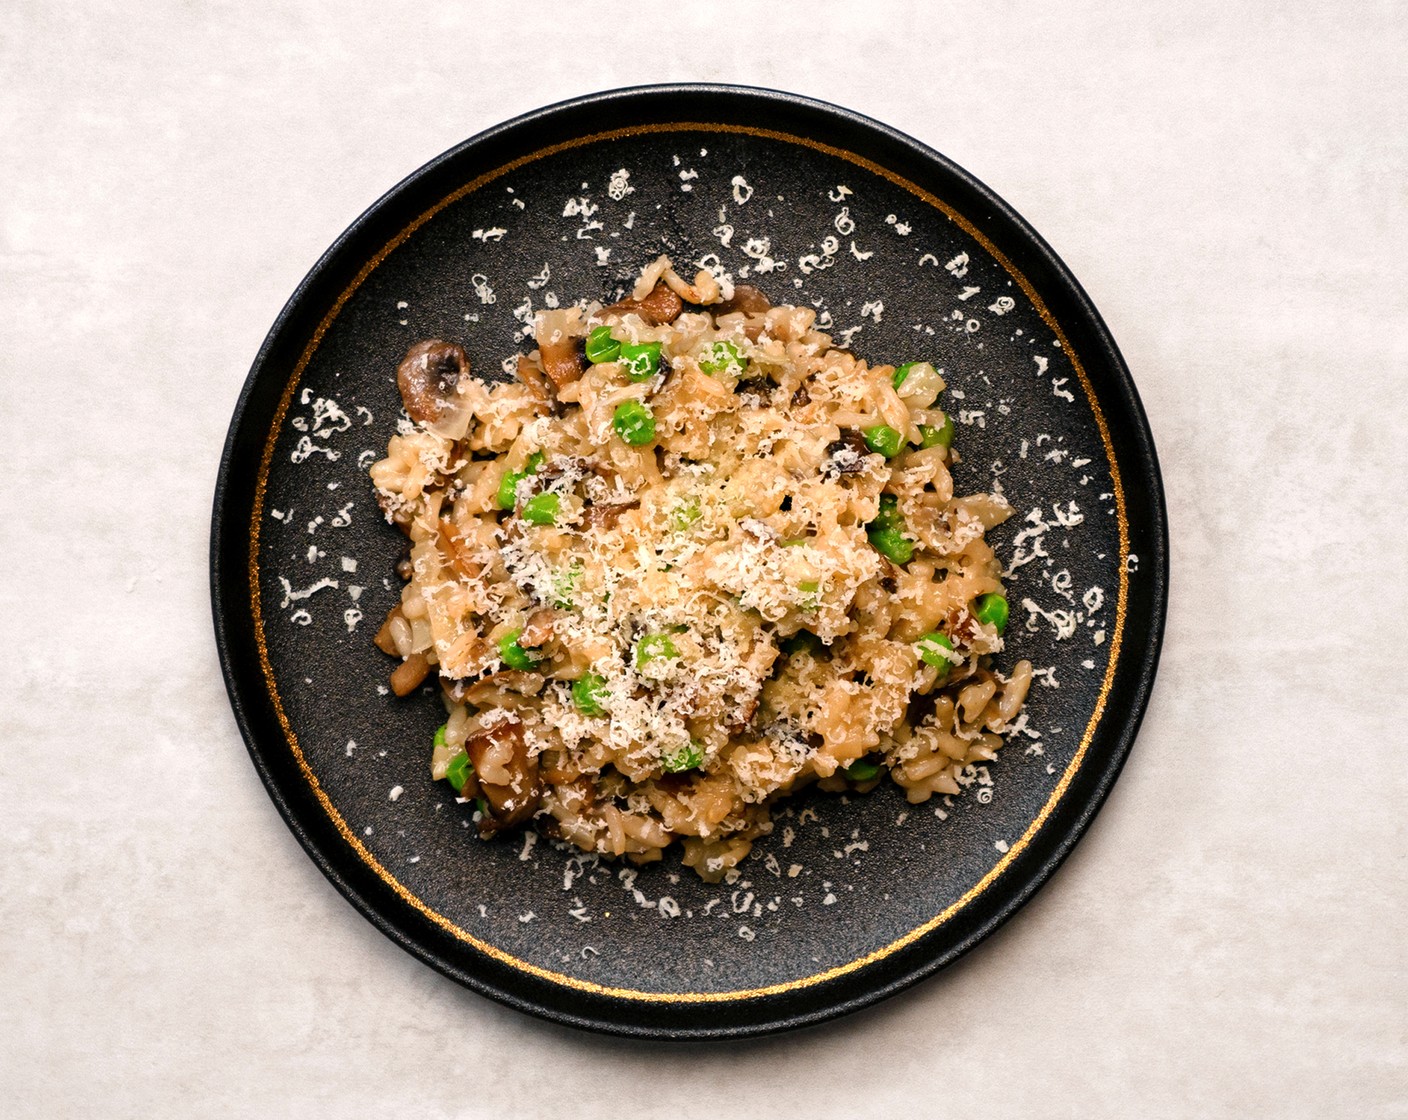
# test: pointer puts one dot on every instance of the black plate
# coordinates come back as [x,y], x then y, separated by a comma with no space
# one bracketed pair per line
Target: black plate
[822,206]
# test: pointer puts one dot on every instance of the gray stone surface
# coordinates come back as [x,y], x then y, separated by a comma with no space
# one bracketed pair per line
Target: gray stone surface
[1227,180]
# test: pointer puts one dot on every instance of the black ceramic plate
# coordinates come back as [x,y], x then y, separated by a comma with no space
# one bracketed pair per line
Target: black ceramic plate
[851,899]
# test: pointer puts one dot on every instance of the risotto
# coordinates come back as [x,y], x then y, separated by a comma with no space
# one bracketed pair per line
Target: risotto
[692,560]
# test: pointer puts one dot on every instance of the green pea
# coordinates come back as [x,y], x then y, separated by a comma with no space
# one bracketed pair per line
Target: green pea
[507,497]
[893,544]
[514,655]
[601,347]
[942,436]
[861,771]
[440,735]
[886,532]
[641,359]
[686,514]
[508,489]
[564,586]
[634,423]
[458,772]
[721,357]
[542,509]
[811,594]
[686,758]
[931,651]
[883,439]
[589,693]
[889,516]
[652,646]
[992,611]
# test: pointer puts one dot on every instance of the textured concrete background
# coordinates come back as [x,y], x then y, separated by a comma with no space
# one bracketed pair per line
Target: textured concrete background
[1227,180]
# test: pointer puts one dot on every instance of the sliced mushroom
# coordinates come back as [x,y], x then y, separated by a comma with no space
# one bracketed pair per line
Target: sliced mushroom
[471,790]
[741,716]
[660,306]
[532,376]
[429,377]
[847,455]
[560,465]
[747,299]
[558,333]
[604,515]
[755,392]
[962,627]
[507,776]
[562,360]
[383,640]
[488,692]
[537,630]
[408,675]
[461,557]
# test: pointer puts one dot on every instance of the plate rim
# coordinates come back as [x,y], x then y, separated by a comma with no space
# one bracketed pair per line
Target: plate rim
[1124,725]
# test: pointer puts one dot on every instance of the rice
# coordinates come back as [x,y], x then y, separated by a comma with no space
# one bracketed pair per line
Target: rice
[694,559]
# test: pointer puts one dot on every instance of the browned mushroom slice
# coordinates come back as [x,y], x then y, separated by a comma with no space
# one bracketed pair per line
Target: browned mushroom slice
[488,692]
[383,640]
[408,675]
[560,465]
[962,627]
[746,298]
[537,630]
[532,376]
[460,555]
[470,791]
[507,775]
[755,392]
[847,455]
[660,306]
[562,361]
[428,378]
[604,515]
[739,719]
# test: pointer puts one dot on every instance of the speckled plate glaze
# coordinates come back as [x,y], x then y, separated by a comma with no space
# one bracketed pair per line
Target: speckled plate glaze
[906,256]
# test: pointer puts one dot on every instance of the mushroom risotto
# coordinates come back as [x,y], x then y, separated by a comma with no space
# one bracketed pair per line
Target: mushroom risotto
[693,559]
